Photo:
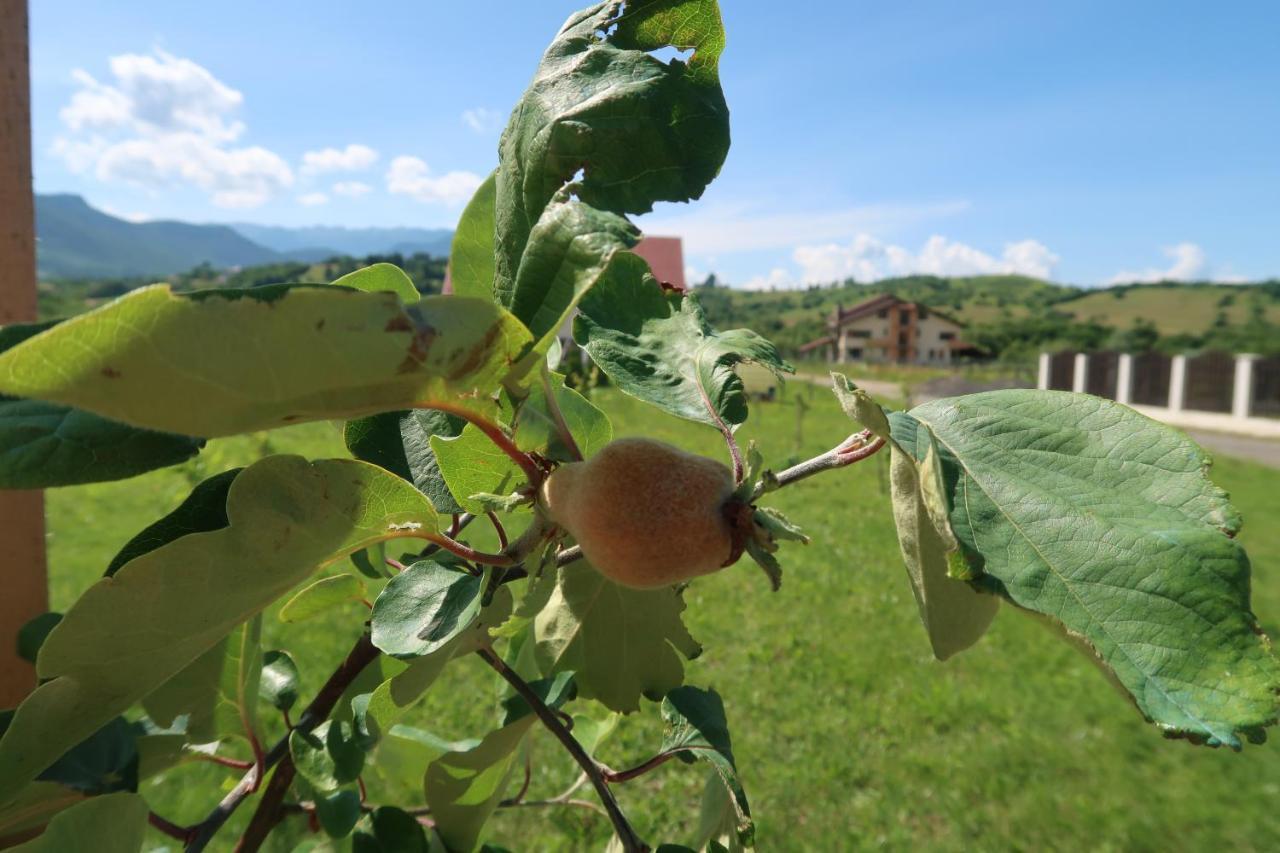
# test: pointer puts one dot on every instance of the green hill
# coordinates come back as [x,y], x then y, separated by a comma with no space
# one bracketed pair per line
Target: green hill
[75,240]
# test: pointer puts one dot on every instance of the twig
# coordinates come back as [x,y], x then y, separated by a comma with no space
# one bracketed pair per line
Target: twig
[360,656]
[557,416]
[466,552]
[639,770]
[853,449]
[631,842]
[568,555]
[268,813]
[169,828]
[498,528]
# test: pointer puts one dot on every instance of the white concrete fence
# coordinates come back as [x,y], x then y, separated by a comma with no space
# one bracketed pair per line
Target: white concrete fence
[1241,418]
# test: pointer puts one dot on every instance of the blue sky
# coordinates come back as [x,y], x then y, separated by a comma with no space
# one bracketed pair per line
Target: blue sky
[1083,141]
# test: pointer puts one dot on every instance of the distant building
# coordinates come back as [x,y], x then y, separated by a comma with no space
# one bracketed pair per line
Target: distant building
[886,329]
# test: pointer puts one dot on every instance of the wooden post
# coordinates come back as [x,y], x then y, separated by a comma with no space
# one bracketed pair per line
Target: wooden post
[22,559]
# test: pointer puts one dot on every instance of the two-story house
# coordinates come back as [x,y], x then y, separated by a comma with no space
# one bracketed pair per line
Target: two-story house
[885,328]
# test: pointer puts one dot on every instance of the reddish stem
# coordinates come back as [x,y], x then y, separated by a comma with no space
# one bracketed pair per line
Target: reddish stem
[169,828]
[498,528]
[498,436]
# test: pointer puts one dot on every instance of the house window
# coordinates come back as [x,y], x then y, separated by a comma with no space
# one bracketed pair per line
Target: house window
[946,336]
[859,333]
[855,352]
[904,315]
[884,315]
[923,313]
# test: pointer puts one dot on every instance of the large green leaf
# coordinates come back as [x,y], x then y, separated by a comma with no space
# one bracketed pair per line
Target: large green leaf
[33,807]
[640,130]
[43,445]
[401,443]
[224,362]
[696,725]
[116,823]
[471,464]
[323,596]
[569,249]
[1081,509]
[329,756]
[621,643]
[657,345]
[471,254]
[130,633]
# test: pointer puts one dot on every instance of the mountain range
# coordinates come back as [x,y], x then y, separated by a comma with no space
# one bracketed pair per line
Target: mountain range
[76,240]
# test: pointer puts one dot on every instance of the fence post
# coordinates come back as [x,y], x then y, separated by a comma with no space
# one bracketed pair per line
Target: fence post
[1042,375]
[1124,379]
[1080,373]
[1242,392]
[1177,383]
[22,562]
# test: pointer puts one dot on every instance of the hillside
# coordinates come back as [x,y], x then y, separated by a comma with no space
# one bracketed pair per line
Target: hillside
[318,242]
[75,240]
[1011,315]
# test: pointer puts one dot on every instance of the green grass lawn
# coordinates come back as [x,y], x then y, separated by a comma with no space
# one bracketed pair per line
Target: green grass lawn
[848,735]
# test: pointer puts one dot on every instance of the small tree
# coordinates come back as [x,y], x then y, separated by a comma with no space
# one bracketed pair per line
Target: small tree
[1068,507]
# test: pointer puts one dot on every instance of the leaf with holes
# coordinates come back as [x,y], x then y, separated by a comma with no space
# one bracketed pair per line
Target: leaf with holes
[223,362]
[621,643]
[1084,511]
[657,346]
[640,130]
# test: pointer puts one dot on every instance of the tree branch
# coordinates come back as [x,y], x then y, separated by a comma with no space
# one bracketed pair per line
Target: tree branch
[495,433]
[360,656]
[631,842]
[855,448]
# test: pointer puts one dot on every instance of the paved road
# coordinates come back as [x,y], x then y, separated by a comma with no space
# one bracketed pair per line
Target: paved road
[1261,450]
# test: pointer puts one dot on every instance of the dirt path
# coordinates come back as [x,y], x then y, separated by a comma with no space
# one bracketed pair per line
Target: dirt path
[1261,450]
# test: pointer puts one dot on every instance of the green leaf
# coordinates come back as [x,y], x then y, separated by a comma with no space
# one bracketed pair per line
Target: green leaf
[424,607]
[640,130]
[696,724]
[104,762]
[471,255]
[322,596]
[1084,511]
[622,643]
[204,510]
[471,464]
[329,756]
[116,822]
[464,786]
[398,694]
[394,831]
[31,636]
[401,443]
[657,346]
[954,613]
[225,362]
[382,278]
[718,818]
[43,445]
[287,517]
[279,683]
[859,406]
[218,692]
[536,427]
[569,249]
[339,812]
[34,806]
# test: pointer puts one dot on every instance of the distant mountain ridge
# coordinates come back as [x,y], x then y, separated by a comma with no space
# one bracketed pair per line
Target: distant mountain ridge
[76,240]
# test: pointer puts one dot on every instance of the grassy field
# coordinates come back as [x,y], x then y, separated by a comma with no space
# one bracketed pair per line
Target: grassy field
[848,735]
[1175,309]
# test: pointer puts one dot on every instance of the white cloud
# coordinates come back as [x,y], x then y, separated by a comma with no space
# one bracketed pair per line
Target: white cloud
[410,176]
[128,216]
[1187,263]
[869,259]
[777,279]
[710,228]
[481,120]
[313,199]
[352,189]
[164,121]
[353,158]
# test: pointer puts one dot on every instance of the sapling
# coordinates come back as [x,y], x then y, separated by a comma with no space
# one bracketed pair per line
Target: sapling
[1076,509]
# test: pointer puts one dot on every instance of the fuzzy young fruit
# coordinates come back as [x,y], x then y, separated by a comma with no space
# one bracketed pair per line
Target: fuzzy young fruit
[646,514]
